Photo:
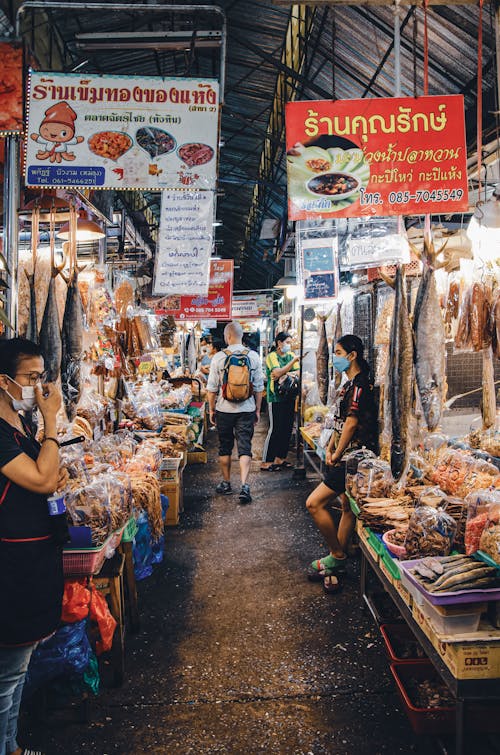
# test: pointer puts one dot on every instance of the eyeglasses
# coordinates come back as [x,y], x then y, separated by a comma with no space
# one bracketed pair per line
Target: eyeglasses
[34,377]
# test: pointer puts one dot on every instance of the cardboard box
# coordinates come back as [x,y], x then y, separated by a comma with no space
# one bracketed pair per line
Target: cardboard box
[197,457]
[174,492]
[471,656]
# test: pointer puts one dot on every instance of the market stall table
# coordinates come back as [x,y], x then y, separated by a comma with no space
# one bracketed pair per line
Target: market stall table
[464,690]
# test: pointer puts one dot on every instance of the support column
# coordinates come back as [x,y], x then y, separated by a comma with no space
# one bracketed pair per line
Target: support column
[11,231]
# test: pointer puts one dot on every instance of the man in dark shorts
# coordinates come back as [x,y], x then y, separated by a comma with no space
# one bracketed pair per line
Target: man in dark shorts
[234,420]
[355,426]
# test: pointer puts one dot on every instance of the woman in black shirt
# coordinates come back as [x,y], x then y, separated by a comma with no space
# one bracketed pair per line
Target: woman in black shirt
[31,574]
[355,426]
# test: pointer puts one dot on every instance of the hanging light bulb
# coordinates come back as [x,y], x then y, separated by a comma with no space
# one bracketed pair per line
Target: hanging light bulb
[86,229]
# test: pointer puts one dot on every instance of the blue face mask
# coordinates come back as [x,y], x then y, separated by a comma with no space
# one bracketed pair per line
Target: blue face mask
[340,363]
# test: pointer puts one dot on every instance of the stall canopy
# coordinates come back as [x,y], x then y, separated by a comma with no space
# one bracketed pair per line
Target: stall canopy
[273,54]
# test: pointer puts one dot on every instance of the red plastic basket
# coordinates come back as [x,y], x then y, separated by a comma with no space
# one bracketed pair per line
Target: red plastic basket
[84,562]
[394,635]
[422,720]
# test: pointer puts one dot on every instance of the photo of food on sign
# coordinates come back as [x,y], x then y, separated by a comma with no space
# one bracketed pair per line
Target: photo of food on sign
[110,144]
[326,174]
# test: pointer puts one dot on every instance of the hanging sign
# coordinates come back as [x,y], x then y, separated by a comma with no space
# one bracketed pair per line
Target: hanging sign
[11,89]
[354,158]
[318,268]
[255,307]
[216,305]
[372,242]
[182,262]
[121,132]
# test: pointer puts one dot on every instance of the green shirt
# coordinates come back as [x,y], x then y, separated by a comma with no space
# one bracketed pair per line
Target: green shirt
[274,360]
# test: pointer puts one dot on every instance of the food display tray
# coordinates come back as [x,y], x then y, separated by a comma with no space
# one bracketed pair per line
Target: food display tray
[444,598]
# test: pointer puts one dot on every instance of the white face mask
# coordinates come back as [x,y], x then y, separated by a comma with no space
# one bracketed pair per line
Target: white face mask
[28,398]
[286,348]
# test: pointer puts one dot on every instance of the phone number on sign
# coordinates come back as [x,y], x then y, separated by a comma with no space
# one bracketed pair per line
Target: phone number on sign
[437,195]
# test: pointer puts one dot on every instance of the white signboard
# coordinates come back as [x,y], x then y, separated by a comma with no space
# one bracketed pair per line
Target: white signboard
[373,242]
[257,306]
[121,132]
[184,243]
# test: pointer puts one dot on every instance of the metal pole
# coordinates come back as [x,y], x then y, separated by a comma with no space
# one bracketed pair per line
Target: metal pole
[10,234]
[397,50]
[299,471]
[127,7]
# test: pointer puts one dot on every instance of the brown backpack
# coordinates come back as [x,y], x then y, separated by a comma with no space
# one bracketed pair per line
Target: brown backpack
[236,383]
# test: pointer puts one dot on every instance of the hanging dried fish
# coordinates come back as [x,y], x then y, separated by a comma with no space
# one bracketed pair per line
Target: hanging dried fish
[50,332]
[72,330]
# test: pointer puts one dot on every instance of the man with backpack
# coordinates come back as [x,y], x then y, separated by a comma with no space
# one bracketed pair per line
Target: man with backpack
[234,389]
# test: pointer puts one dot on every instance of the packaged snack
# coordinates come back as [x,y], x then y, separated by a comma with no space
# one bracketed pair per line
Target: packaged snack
[373,479]
[483,506]
[430,532]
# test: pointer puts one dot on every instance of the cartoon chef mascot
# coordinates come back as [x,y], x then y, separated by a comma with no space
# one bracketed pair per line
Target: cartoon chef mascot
[57,132]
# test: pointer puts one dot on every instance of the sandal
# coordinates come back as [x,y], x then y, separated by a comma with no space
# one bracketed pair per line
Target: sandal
[325,567]
[331,584]
[270,468]
[284,465]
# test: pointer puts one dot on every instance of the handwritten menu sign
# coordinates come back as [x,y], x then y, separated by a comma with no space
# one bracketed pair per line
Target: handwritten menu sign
[318,268]
[184,243]
[216,304]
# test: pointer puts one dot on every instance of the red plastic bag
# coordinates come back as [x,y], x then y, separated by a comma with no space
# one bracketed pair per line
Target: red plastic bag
[76,599]
[100,613]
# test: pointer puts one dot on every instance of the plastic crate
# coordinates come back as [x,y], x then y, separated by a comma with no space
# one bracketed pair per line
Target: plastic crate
[396,635]
[130,531]
[422,720]
[84,562]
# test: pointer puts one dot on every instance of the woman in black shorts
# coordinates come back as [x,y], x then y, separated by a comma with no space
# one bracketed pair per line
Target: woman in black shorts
[355,426]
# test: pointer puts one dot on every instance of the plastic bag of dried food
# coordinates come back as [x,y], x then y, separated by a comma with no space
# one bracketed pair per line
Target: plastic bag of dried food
[490,538]
[479,505]
[352,460]
[373,479]
[430,533]
[431,495]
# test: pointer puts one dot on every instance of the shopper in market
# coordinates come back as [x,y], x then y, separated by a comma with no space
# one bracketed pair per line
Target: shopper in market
[355,426]
[31,573]
[280,362]
[208,348]
[235,420]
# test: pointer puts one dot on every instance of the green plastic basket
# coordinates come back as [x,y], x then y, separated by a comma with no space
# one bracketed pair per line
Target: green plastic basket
[130,530]
[353,504]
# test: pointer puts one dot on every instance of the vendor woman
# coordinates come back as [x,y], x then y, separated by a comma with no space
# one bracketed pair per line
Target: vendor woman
[355,426]
[31,573]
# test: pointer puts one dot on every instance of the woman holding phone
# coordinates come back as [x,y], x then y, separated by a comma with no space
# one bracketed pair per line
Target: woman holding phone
[31,573]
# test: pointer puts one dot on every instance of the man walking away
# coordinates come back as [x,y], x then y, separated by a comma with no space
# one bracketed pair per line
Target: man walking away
[235,386]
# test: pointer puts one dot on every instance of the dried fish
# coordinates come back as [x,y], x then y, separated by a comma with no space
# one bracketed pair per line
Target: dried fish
[400,378]
[336,337]
[50,333]
[488,405]
[430,351]
[322,355]
[72,347]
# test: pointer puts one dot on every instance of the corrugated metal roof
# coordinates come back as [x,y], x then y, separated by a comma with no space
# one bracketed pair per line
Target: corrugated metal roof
[349,55]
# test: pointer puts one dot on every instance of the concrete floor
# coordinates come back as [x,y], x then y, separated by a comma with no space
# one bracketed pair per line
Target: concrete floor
[239,653]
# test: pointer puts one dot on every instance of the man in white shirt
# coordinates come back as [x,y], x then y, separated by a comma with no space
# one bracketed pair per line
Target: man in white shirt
[234,420]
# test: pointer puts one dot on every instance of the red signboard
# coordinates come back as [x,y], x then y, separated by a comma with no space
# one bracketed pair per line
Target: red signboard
[355,158]
[11,88]
[215,306]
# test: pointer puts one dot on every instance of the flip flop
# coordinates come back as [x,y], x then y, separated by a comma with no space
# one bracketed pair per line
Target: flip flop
[284,465]
[325,567]
[331,584]
[271,468]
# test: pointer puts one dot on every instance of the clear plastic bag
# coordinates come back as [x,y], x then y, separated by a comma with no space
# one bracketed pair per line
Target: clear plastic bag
[373,479]
[430,532]
[483,506]
[352,460]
